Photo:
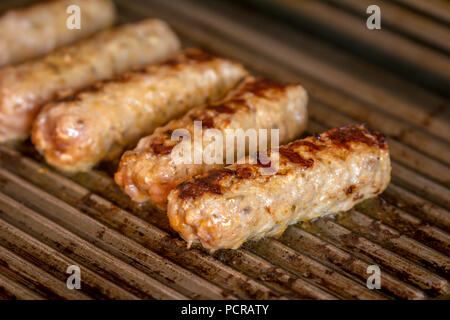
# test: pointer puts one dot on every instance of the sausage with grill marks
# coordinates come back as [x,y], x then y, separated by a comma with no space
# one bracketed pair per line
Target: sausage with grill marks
[26,87]
[95,125]
[38,29]
[319,175]
[149,172]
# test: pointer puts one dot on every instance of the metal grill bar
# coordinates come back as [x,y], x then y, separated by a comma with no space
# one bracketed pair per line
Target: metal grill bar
[307,267]
[390,238]
[57,263]
[109,240]
[419,207]
[32,276]
[83,251]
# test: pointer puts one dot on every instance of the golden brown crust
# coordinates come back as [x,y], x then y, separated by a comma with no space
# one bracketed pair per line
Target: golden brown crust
[341,137]
[149,172]
[208,183]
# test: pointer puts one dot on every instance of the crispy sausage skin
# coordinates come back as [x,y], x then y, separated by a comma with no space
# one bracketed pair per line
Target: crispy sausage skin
[150,171]
[26,87]
[40,28]
[318,175]
[95,125]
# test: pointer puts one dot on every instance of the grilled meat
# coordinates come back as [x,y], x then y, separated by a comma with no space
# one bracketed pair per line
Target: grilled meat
[98,124]
[319,175]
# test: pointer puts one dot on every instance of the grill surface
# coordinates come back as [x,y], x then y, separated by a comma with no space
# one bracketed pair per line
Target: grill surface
[49,221]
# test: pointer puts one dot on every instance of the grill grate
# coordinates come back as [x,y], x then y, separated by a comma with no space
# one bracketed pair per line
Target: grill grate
[49,221]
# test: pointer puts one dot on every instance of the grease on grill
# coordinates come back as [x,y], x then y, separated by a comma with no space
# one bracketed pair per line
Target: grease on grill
[161,148]
[349,239]
[188,56]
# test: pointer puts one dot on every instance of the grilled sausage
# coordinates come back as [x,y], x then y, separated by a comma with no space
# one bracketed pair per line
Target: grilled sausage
[40,28]
[318,175]
[26,87]
[150,172]
[98,124]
